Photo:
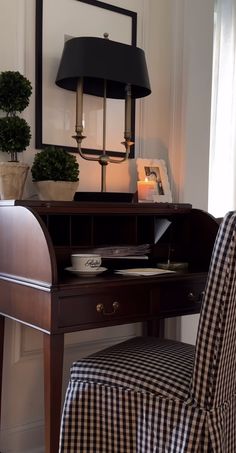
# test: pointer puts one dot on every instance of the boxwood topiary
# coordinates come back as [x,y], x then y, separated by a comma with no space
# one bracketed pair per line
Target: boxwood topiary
[55,164]
[15,91]
[14,134]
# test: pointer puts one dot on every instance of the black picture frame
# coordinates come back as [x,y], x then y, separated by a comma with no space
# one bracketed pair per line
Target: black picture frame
[39,139]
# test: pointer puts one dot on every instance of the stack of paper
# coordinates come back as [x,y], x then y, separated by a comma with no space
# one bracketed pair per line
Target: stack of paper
[123,251]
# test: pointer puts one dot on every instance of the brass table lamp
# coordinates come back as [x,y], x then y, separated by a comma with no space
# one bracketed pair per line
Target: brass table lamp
[108,69]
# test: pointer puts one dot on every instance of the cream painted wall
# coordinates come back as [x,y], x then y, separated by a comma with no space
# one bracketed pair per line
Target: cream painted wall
[197,74]
[172,123]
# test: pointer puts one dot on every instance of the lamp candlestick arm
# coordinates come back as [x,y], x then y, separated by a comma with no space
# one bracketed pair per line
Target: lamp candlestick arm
[79,106]
[127,133]
[104,118]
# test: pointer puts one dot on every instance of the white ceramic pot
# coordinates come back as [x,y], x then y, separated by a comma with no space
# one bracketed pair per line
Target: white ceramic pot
[56,190]
[12,180]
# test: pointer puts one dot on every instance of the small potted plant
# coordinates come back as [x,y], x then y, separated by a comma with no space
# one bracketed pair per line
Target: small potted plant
[55,174]
[15,91]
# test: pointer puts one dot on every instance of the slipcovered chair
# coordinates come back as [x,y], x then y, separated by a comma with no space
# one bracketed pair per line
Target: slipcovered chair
[147,395]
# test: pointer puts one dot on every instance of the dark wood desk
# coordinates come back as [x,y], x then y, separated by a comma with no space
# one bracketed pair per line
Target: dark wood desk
[36,240]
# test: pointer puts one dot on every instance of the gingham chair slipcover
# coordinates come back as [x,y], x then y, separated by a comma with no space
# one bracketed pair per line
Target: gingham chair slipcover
[148,395]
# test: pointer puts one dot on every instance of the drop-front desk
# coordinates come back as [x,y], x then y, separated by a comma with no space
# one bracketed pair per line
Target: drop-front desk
[36,240]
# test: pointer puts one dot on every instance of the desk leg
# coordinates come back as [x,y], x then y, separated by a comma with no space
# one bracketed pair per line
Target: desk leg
[53,371]
[2,323]
[155,328]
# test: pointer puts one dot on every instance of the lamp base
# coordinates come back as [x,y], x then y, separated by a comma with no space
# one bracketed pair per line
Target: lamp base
[112,197]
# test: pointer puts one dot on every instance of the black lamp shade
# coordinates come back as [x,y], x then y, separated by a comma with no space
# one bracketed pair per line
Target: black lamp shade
[99,59]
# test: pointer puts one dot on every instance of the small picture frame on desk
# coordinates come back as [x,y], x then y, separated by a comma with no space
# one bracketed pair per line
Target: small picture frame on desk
[153,183]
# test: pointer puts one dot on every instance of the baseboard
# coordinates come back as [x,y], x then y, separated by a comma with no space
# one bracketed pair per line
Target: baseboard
[27,438]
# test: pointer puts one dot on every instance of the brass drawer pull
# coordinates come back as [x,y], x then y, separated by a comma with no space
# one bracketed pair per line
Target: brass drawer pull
[191,296]
[101,309]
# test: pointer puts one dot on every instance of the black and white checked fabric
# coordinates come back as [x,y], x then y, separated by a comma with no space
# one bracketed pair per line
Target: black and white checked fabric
[157,396]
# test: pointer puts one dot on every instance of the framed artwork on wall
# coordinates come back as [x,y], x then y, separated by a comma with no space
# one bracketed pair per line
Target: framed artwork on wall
[55,107]
[153,182]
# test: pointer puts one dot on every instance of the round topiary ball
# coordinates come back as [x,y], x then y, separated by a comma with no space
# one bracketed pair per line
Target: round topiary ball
[15,91]
[14,134]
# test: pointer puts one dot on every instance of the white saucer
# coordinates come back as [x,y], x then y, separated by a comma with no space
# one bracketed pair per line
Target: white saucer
[91,273]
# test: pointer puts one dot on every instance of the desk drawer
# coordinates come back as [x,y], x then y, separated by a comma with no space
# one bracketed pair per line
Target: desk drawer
[181,295]
[117,304]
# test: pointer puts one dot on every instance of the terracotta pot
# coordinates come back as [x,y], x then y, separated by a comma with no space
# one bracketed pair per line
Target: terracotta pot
[12,179]
[56,190]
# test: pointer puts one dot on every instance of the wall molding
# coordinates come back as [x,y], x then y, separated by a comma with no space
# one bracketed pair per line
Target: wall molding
[29,437]
[22,438]
[141,111]
[23,351]
[21,35]
[177,101]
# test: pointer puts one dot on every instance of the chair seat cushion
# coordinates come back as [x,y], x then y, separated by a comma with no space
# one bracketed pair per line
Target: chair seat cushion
[161,367]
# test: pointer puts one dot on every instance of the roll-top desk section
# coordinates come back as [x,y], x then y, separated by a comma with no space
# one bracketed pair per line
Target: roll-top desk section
[73,226]
[37,239]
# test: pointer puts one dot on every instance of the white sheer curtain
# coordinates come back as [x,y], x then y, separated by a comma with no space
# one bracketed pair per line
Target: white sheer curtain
[222,173]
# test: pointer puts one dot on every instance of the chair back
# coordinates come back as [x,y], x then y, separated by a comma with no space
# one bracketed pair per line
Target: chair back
[214,374]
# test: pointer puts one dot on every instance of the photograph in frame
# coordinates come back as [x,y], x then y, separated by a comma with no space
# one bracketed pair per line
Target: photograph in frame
[55,107]
[155,171]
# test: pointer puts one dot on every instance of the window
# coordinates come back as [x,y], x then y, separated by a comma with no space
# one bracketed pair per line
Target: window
[222,174]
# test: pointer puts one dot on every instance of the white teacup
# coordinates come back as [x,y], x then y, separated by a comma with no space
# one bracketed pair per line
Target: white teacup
[85,261]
